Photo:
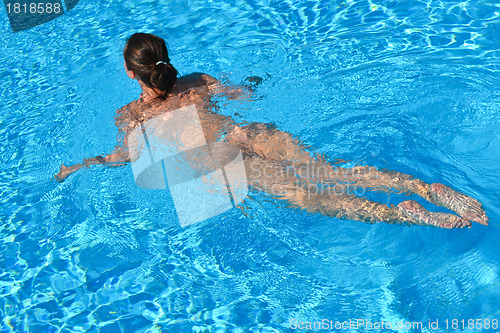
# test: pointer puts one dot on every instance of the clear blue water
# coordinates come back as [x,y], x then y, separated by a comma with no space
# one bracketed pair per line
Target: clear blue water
[410,86]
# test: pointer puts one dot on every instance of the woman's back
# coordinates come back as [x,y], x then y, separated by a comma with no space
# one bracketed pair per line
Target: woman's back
[195,89]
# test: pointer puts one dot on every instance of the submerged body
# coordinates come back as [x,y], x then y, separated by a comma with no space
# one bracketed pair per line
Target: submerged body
[279,164]
[275,162]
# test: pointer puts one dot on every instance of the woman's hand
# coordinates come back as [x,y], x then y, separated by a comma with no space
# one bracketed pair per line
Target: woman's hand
[65,171]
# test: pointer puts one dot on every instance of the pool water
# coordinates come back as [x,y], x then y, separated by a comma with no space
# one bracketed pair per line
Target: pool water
[411,86]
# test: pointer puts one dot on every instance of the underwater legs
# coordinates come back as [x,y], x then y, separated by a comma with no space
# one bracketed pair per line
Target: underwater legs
[303,192]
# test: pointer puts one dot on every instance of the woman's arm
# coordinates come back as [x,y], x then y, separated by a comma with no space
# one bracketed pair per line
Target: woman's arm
[117,158]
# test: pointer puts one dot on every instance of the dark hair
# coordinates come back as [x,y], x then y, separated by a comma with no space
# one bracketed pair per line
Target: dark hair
[142,54]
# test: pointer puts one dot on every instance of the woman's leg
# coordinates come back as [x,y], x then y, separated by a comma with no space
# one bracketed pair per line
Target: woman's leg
[278,180]
[271,144]
[372,179]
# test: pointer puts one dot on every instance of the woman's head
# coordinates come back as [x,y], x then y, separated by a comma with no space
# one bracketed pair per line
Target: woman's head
[147,58]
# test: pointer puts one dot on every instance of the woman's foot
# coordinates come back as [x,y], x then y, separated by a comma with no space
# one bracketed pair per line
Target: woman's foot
[465,206]
[417,214]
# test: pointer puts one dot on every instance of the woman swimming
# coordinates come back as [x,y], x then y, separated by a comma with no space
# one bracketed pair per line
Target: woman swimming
[275,162]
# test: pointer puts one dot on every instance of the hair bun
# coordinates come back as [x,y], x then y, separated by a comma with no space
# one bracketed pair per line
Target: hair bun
[163,76]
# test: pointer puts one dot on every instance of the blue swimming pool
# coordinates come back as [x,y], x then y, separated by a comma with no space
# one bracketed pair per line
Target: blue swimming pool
[411,86]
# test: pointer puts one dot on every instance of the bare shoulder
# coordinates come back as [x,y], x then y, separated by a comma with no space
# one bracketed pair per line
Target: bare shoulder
[122,113]
[125,115]
[195,80]
[208,79]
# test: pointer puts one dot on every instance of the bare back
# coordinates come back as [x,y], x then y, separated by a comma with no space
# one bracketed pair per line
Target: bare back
[195,89]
